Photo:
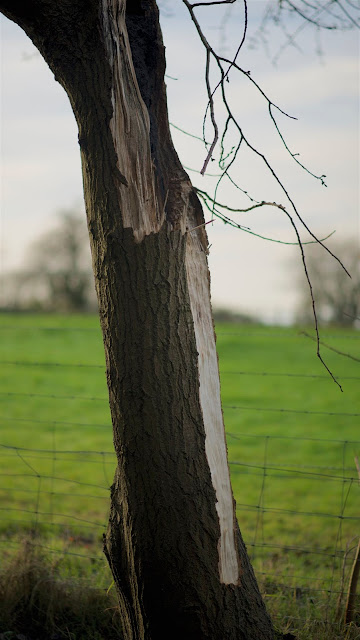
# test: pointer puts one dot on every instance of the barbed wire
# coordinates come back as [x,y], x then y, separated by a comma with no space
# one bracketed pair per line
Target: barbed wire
[57,493]
[299,411]
[59,459]
[271,333]
[63,423]
[306,550]
[53,396]
[52,550]
[342,414]
[281,437]
[12,451]
[273,374]
[285,473]
[62,451]
[60,515]
[318,514]
[35,524]
[32,363]
[49,477]
[297,577]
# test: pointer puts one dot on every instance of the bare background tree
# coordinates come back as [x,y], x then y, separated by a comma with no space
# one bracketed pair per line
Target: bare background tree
[336,295]
[318,15]
[56,274]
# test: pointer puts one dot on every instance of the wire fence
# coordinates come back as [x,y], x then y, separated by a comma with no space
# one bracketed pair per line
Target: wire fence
[293,453]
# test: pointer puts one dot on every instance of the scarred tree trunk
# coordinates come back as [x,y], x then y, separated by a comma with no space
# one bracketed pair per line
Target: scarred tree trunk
[173,543]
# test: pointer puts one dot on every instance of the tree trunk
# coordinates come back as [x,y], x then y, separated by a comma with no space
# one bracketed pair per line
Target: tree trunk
[173,543]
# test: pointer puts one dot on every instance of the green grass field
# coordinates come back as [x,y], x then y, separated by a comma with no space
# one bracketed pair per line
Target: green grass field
[292,443]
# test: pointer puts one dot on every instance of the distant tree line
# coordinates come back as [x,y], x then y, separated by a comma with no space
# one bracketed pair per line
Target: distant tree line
[221,314]
[56,275]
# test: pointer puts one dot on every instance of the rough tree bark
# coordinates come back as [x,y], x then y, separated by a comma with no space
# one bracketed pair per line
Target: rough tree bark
[173,544]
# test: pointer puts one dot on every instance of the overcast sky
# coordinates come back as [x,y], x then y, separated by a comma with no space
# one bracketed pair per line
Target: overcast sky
[40,157]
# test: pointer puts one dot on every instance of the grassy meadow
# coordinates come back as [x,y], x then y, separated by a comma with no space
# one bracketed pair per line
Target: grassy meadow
[293,438]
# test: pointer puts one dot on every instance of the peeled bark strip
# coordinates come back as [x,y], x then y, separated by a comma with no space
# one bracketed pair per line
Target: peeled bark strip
[209,392]
[179,563]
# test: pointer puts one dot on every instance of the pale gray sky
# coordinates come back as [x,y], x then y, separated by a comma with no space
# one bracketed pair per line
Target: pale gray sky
[41,164]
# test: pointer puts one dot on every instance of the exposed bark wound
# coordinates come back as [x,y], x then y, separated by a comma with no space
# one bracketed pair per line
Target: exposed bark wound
[130,120]
[175,193]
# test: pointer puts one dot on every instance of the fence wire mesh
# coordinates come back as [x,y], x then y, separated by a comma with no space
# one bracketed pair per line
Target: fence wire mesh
[294,459]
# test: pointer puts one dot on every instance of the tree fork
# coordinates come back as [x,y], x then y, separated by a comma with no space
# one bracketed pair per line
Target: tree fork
[173,544]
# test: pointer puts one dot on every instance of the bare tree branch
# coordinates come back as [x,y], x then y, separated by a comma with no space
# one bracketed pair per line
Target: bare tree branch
[318,14]
[208,4]
[228,156]
[214,210]
[308,18]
